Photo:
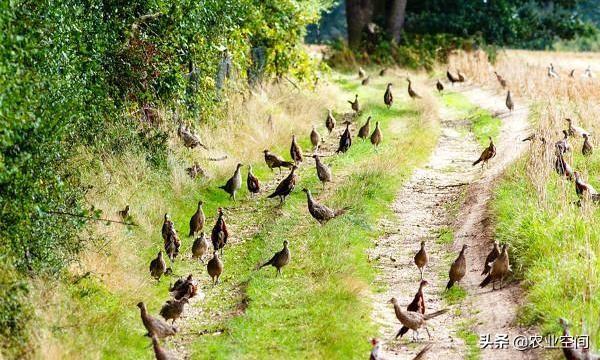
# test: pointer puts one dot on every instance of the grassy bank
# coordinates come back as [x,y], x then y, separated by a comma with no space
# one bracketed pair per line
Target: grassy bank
[317,309]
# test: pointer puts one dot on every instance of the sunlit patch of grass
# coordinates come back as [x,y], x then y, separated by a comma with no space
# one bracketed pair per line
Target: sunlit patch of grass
[455,295]
[445,235]
[484,125]
[471,339]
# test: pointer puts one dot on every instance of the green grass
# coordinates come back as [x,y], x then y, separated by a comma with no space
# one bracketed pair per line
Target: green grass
[481,122]
[471,339]
[455,295]
[445,235]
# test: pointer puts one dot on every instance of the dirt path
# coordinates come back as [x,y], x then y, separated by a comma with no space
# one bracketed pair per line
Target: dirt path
[428,206]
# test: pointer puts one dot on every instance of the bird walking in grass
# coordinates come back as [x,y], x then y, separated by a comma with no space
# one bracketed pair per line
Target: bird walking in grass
[197,220]
[439,86]
[562,145]
[552,74]
[215,268]
[421,258]
[411,92]
[323,171]
[364,130]
[345,140]
[569,348]
[355,104]
[173,309]
[377,135]
[252,182]
[320,212]
[154,326]
[315,138]
[276,161]
[280,259]
[383,72]
[296,151]
[458,269]
[158,266]
[562,167]
[453,79]
[329,121]
[461,77]
[388,97]
[587,148]
[361,72]
[200,247]
[584,189]
[574,130]
[159,352]
[190,140]
[172,244]
[510,105]
[501,80]
[499,268]
[124,214]
[417,305]
[166,226]
[184,288]
[487,154]
[219,234]
[492,255]
[234,183]
[286,186]
[366,81]
[414,320]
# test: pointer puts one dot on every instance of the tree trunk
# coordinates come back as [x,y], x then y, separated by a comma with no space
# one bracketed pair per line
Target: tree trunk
[395,20]
[358,15]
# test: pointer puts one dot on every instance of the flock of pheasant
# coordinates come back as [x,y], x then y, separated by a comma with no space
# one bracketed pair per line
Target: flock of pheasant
[496,264]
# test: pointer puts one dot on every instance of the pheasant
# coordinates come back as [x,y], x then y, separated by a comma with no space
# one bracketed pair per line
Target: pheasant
[354,104]
[215,268]
[219,234]
[190,140]
[330,121]
[173,309]
[197,220]
[376,136]
[154,326]
[562,145]
[364,130]
[159,352]
[499,268]
[411,92]
[315,138]
[383,72]
[461,77]
[417,304]
[451,77]
[376,350]
[439,86]
[492,255]
[172,244]
[252,182]
[570,351]
[165,227]
[158,266]
[199,247]
[295,151]
[421,258]
[414,320]
[501,80]
[388,97]
[361,73]
[582,188]
[345,140]
[323,171]
[510,105]
[286,186]
[366,81]
[184,288]
[572,73]
[319,212]
[575,130]
[234,183]
[280,259]
[552,73]
[458,268]
[587,148]
[588,72]
[562,167]
[124,214]
[487,154]
[276,161]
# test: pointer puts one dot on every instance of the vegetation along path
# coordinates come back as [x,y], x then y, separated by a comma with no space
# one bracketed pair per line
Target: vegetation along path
[445,204]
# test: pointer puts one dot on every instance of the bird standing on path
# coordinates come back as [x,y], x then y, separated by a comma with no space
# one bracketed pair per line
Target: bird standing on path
[366,81]
[330,121]
[197,220]
[458,269]
[509,102]
[154,326]
[417,304]
[492,255]
[364,130]
[276,161]
[414,320]
[173,309]
[219,234]
[501,80]
[320,212]
[487,154]
[499,268]
[383,72]
[361,72]
[280,259]
[172,244]
[286,186]
[315,138]
[166,227]
[411,92]
[234,183]
[388,97]
[200,247]
[451,77]
[376,136]
[354,104]
[296,151]
[252,182]
[323,171]
[184,288]
[159,352]
[158,266]
[587,148]
[421,258]
[345,140]
[215,268]
[461,77]
[439,86]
